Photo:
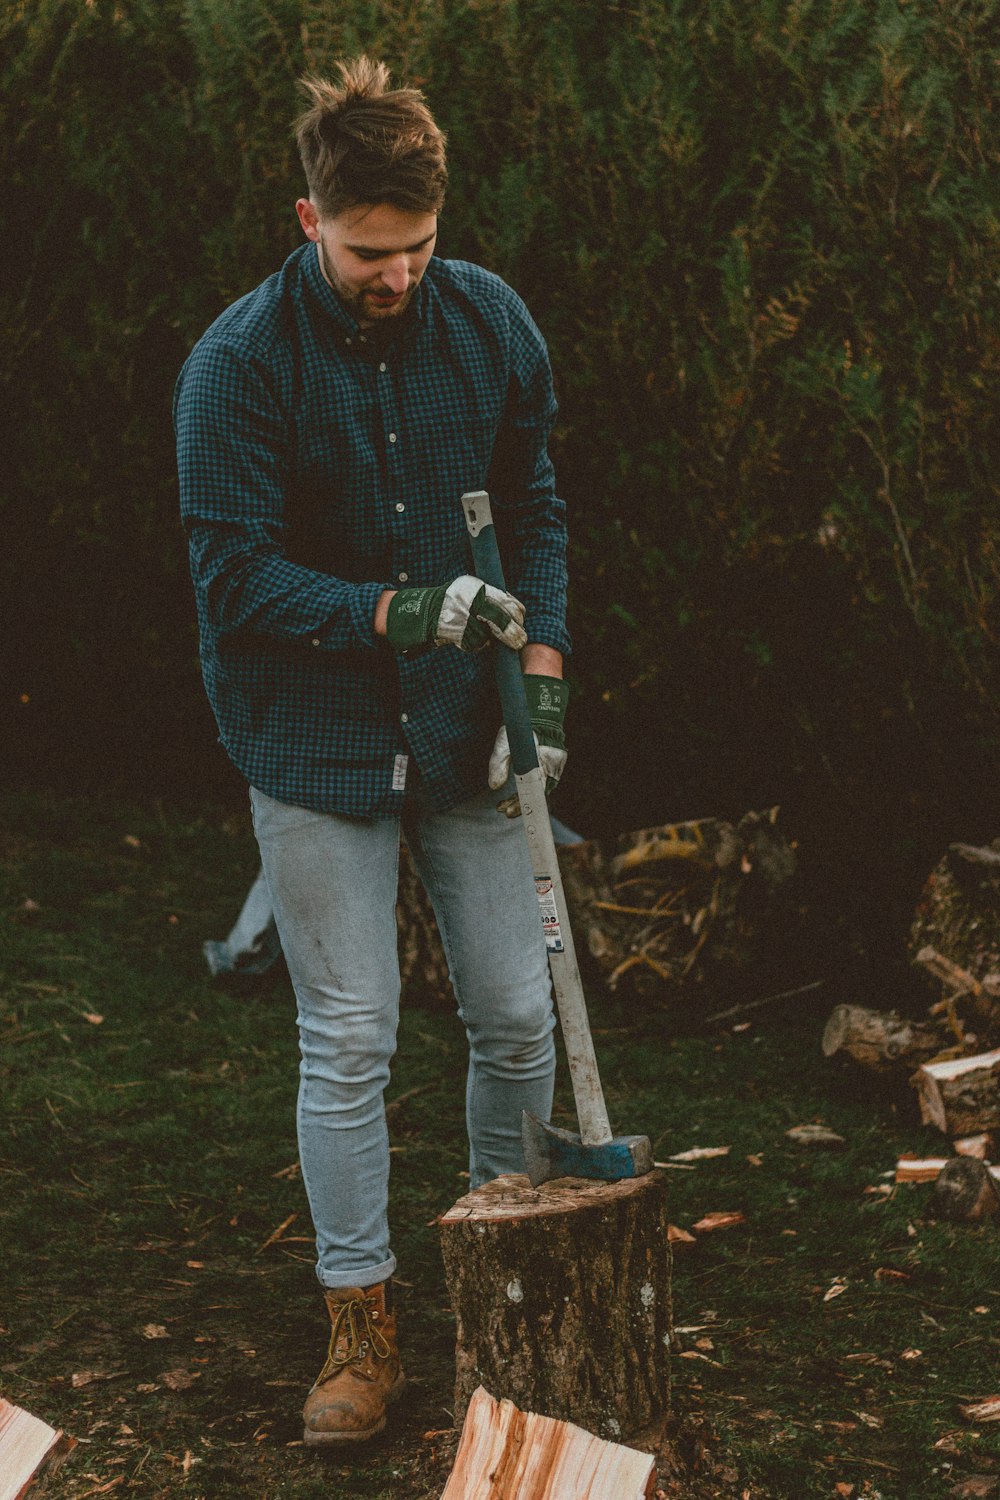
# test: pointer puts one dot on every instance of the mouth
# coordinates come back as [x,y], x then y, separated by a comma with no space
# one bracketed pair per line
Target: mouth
[385,299]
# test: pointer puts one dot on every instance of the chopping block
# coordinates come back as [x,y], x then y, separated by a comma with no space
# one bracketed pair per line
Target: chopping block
[562,1298]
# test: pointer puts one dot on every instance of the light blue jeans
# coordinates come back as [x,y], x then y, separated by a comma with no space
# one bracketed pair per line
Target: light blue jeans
[333,884]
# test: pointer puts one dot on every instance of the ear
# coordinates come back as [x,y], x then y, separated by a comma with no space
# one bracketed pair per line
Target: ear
[308,218]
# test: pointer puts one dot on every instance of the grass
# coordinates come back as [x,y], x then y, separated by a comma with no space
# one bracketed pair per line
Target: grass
[149,1157]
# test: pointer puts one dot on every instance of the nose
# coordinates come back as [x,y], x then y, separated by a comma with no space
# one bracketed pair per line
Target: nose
[396,274]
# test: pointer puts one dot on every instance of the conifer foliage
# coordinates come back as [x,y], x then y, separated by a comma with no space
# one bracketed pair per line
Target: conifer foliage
[762,241]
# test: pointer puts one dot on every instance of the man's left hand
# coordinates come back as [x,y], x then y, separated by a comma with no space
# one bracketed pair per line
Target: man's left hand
[547,700]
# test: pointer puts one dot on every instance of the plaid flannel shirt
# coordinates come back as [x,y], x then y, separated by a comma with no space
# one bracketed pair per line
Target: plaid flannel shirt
[320,464]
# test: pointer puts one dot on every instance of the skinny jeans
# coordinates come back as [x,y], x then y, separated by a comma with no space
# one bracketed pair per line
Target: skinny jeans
[333,883]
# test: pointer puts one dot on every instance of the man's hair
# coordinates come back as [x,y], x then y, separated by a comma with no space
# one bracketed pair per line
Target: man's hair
[363,142]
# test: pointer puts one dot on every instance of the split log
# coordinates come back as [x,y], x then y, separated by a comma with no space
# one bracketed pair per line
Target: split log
[920,1168]
[27,1446]
[519,1455]
[880,1041]
[966,1190]
[562,1298]
[983,1146]
[962,1095]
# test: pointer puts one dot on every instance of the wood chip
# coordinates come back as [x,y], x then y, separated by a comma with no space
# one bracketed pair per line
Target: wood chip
[814,1135]
[987,1410]
[700,1153]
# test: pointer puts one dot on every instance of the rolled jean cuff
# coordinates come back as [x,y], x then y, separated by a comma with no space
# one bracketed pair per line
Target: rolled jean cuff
[330,1282]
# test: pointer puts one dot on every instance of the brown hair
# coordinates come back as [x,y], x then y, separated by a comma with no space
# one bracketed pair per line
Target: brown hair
[363,142]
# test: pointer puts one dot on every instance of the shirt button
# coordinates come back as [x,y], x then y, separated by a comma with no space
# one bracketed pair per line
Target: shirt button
[315,640]
[383,368]
[403,577]
[392,437]
[404,718]
[400,505]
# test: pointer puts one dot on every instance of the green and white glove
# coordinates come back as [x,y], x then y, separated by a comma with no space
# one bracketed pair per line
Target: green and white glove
[547,700]
[467,613]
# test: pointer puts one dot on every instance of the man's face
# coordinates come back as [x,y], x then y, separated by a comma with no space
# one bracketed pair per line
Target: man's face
[372,255]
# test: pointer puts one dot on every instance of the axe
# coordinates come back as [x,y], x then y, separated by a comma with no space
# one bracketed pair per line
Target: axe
[548,1151]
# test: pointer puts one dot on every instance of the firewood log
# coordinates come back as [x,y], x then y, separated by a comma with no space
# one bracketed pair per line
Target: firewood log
[880,1041]
[562,1298]
[961,1096]
[966,1190]
[507,1454]
[27,1446]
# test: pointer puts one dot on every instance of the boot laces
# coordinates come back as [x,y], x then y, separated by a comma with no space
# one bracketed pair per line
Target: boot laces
[356,1323]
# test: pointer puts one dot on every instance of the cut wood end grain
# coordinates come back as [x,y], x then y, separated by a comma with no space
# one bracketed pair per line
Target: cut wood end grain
[513,1197]
[508,1454]
[27,1445]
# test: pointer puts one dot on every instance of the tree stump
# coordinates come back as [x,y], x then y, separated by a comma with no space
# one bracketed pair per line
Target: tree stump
[562,1298]
[880,1041]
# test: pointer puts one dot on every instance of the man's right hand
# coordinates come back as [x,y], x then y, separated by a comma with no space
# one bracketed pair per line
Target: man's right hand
[467,613]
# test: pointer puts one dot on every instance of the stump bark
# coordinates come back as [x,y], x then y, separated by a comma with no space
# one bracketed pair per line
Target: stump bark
[562,1299]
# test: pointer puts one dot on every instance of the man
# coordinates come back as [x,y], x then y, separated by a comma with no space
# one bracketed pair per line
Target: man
[328,424]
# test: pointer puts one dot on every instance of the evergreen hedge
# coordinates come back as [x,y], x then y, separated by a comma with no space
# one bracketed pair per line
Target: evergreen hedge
[762,241]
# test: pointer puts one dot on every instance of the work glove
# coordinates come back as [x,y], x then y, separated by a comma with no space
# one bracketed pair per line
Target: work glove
[467,613]
[547,700]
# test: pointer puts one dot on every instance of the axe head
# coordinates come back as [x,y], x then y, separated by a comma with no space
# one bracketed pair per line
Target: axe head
[550,1152]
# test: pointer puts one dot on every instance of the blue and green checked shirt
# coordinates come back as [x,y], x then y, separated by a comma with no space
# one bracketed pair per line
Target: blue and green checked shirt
[319,465]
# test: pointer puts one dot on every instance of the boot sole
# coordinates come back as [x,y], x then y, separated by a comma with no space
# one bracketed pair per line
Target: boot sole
[358,1435]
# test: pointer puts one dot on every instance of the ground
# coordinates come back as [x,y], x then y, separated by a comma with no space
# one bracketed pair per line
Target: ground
[159,1301]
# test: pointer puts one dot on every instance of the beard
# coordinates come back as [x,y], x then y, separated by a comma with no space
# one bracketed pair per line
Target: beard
[360,304]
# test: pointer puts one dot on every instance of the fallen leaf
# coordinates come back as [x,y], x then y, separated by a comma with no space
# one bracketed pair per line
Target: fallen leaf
[155,1331]
[146,1387]
[986,1410]
[131,841]
[814,1135]
[912,1354]
[869,1420]
[678,1236]
[195,1265]
[87,1377]
[179,1380]
[889,1273]
[755,1159]
[835,1290]
[92,1017]
[718,1220]
[845,1490]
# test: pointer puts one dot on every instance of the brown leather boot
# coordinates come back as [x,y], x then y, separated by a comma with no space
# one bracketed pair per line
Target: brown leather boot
[361,1375]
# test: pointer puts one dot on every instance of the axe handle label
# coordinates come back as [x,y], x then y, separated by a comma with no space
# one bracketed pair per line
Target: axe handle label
[550,914]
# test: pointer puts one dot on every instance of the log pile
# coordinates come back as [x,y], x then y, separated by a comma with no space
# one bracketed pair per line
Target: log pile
[951,1055]
[662,910]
